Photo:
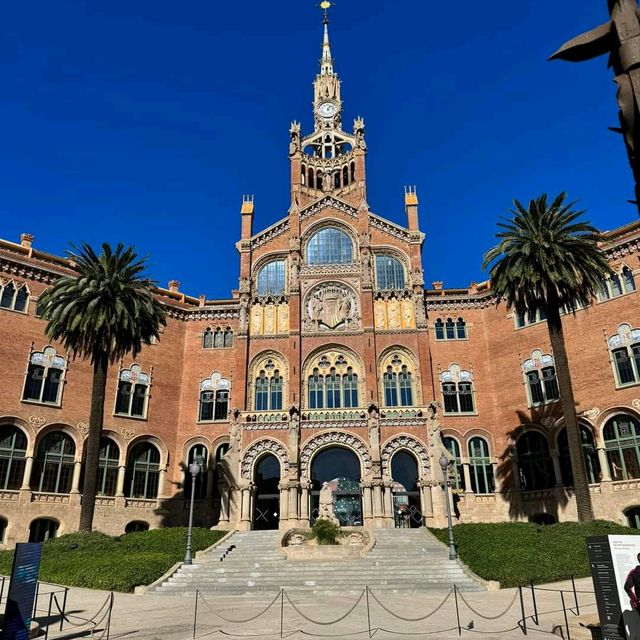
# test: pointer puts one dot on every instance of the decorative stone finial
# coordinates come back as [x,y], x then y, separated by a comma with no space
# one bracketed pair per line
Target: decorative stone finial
[174,285]
[26,240]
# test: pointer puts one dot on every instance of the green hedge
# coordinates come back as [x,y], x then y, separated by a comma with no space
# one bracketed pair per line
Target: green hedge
[515,553]
[97,561]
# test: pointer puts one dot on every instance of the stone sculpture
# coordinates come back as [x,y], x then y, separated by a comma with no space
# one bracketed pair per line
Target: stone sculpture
[326,511]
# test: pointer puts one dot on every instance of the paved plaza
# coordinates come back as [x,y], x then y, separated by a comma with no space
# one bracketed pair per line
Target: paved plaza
[155,617]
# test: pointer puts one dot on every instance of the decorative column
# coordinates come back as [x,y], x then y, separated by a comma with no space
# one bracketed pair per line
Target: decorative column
[604,465]
[305,485]
[367,502]
[245,509]
[161,481]
[120,482]
[75,481]
[284,501]
[224,491]
[426,501]
[293,504]
[388,503]
[26,477]
[378,512]
[555,458]
[466,472]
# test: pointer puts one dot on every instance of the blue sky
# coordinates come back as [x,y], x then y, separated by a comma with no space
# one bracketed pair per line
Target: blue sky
[144,121]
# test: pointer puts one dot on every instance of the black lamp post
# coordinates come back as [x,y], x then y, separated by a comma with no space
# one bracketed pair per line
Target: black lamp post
[194,469]
[444,465]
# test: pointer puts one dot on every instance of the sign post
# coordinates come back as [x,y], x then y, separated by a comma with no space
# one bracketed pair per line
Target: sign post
[615,569]
[22,591]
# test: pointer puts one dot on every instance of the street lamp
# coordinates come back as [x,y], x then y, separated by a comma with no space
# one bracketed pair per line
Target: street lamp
[194,469]
[444,465]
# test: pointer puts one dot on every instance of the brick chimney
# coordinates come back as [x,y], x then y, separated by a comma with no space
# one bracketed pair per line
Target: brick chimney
[437,285]
[174,286]
[26,240]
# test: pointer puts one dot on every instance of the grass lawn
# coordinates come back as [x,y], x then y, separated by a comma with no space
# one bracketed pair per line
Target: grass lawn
[514,553]
[98,561]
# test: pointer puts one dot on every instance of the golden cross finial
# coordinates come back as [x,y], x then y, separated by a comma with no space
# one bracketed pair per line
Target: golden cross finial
[325,5]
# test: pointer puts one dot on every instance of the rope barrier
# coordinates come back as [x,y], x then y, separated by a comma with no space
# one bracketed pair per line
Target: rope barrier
[480,615]
[340,619]
[251,619]
[399,617]
[84,622]
[414,634]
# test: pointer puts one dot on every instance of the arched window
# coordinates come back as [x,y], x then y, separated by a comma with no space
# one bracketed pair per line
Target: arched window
[44,377]
[461,329]
[353,171]
[133,388]
[13,452]
[389,273]
[622,443]
[136,526]
[618,284]
[228,338]
[43,529]
[439,327]
[450,327]
[534,462]
[453,447]
[329,246]
[589,453]
[332,383]
[304,174]
[480,466]
[269,387]
[108,464]
[54,464]
[531,317]
[312,184]
[457,390]
[218,339]
[14,297]
[271,278]
[625,355]
[214,398]
[397,381]
[633,517]
[143,472]
[207,339]
[542,383]
[345,176]
[200,454]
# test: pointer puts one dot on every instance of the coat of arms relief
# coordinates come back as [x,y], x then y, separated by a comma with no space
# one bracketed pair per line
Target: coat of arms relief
[331,306]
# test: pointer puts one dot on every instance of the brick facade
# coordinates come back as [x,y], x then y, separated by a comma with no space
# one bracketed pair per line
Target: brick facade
[348,304]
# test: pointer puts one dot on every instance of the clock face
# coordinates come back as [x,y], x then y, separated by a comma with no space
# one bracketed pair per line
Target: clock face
[327,109]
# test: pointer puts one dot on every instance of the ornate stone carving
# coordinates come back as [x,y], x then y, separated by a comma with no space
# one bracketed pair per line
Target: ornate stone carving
[128,434]
[326,510]
[37,422]
[328,202]
[269,234]
[257,449]
[592,414]
[338,438]
[83,428]
[408,443]
[243,325]
[331,306]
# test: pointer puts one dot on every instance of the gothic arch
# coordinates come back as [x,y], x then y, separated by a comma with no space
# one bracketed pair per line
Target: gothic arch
[30,430]
[257,450]
[405,354]
[275,361]
[334,349]
[406,442]
[336,223]
[334,438]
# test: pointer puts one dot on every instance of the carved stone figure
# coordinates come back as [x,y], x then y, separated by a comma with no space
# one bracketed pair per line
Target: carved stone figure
[294,434]
[294,145]
[269,319]
[244,314]
[283,317]
[331,306]
[326,511]
[366,267]
[408,319]
[235,434]
[393,311]
[380,314]
[294,274]
[373,425]
[256,319]
[435,434]
[620,38]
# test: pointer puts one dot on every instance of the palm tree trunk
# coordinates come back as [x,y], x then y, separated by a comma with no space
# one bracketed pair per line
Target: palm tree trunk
[92,445]
[580,481]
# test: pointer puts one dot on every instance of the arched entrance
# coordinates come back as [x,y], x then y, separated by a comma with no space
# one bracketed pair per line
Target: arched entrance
[341,469]
[266,507]
[406,492]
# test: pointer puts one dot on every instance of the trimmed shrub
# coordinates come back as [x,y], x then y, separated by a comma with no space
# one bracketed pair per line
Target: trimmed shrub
[326,532]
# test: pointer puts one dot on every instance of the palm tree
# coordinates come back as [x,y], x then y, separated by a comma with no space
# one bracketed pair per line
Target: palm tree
[103,313]
[548,260]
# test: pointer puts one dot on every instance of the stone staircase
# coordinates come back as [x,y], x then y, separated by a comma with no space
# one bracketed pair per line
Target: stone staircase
[402,561]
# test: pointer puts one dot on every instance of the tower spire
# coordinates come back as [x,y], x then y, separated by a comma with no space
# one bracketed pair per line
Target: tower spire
[326,64]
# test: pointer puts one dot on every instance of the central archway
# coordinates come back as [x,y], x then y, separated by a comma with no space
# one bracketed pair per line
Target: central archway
[266,511]
[339,467]
[406,492]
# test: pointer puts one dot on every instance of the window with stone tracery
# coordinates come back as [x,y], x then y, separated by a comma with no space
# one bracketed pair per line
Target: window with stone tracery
[329,246]
[45,376]
[398,382]
[333,382]
[450,329]
[133,392]
[14,297]
[271,278]
[624,347]
[457,390]
[540,374]
[268,385]
[617,285]
[389,273]
[214,398]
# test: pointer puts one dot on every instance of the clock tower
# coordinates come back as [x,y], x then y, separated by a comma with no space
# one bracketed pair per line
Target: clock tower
[329,160]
